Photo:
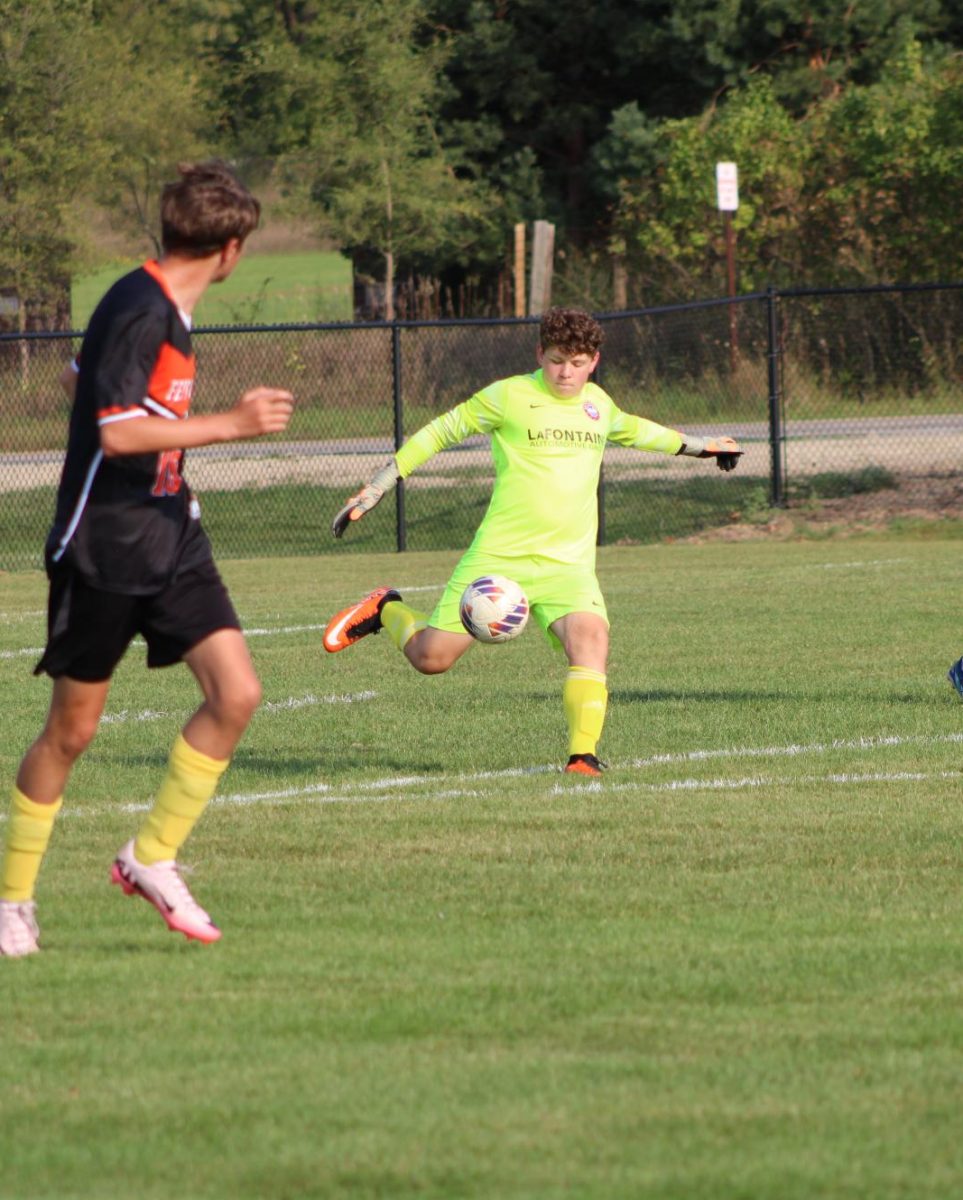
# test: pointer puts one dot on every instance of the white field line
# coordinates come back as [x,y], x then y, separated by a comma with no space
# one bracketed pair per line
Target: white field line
[758,781]
[420,787]
[870,562]
[793,751]
[17,618]
[26,652]
[289,704]
[36,651]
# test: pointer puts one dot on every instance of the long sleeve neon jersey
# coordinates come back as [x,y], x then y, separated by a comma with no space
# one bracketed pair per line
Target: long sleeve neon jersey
[548,455]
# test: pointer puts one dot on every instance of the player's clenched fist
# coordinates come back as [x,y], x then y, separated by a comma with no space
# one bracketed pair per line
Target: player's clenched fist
[263,410]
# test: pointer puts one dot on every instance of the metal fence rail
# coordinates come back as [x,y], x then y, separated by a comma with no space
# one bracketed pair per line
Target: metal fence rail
[830,391]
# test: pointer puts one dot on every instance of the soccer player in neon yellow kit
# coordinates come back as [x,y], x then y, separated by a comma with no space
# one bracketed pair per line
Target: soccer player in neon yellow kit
[548,431]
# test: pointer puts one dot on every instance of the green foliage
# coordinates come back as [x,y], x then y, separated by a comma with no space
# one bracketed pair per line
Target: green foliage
[147,87]
[668,223]
[48,144]
[415,134]
[888,160]
[864,190]
[344,102]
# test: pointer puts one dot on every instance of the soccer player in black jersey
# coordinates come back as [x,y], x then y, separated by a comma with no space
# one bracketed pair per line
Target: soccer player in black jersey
[126,554]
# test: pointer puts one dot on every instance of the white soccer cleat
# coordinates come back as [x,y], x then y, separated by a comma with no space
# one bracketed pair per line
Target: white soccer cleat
[19,931]
[162,886]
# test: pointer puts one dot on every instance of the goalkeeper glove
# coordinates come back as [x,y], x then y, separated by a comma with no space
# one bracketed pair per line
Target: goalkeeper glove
[366,499]
[725,450]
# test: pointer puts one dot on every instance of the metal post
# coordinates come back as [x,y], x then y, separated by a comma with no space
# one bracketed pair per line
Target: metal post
[401,533]
[731,279]
[776,435]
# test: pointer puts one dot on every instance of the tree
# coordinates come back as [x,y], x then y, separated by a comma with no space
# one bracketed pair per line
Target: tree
[341,97]
[47,147]
[667,223]
[145,87]
[886,175]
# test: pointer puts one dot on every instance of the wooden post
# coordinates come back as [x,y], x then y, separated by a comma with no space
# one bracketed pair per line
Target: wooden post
[520,269]
[543,252]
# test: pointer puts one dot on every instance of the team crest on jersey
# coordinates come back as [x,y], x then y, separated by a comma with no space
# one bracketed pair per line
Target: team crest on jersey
[590,410]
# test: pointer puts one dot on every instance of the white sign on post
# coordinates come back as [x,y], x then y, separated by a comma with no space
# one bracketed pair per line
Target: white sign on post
[727,186]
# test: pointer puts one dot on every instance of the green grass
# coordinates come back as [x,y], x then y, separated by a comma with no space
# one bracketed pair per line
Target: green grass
[731,969]
[263,289]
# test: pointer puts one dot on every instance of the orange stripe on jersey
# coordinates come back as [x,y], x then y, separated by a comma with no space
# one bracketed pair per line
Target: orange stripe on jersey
[153,269]
[172,380]
[107,414]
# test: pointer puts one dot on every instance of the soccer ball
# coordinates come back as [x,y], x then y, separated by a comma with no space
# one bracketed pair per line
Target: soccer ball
[493,609]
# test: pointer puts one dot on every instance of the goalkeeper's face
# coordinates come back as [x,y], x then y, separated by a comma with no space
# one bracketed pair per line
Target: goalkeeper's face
[565,374]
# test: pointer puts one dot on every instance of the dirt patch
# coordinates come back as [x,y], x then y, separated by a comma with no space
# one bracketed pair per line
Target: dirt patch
[914,498]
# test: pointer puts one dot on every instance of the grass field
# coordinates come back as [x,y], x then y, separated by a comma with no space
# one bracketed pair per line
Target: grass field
[263,289]
[731,970]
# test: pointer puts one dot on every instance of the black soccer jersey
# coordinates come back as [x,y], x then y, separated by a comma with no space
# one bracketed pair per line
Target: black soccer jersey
[128,524]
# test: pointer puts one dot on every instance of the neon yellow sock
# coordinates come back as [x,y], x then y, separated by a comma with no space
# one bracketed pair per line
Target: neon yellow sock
[191,781]
[585,697]
[402,622]
[28,834]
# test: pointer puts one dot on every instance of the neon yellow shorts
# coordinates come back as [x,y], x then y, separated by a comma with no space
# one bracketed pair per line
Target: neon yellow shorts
[553,589]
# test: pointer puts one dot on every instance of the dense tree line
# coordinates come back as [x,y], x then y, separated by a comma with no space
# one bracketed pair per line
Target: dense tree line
[417,133]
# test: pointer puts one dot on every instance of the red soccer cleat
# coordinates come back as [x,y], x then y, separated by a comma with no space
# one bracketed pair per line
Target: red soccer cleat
[584,764]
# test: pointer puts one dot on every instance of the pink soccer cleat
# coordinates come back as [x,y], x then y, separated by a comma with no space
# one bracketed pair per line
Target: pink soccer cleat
[162,886]
[19,932]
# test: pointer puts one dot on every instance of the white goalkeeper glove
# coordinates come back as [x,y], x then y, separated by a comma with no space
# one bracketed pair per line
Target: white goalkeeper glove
[366,499]
[725,450]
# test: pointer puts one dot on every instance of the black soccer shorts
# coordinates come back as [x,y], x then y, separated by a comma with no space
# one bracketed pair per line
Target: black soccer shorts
[89,630]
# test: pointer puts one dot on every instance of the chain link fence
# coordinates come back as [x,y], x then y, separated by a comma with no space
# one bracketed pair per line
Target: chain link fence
[830,392]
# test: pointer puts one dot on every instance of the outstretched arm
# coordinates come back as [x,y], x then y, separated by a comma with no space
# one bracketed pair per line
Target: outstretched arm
[260,411]
[480,414]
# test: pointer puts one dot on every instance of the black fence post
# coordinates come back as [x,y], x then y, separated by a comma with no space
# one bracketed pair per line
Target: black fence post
[777,484]
[401,532]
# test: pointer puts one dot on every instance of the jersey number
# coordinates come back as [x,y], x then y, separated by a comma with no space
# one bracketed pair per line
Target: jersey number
[168,479]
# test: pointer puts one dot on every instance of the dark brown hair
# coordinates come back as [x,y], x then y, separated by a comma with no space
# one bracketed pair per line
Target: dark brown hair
[205,208]
[571,330]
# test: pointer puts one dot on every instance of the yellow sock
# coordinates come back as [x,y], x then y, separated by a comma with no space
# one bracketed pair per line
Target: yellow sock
[191,781]
[28,834]
[402,622]
[584,697]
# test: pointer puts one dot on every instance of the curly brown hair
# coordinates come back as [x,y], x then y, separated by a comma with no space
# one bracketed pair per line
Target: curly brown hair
[205,208]
[571,330]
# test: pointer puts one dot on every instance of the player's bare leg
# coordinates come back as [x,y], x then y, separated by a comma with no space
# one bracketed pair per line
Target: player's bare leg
[585,639]
[433,651]
[72,719]
[222,666]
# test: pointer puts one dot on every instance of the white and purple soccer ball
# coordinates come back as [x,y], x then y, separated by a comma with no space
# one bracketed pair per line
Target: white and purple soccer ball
[493,609]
